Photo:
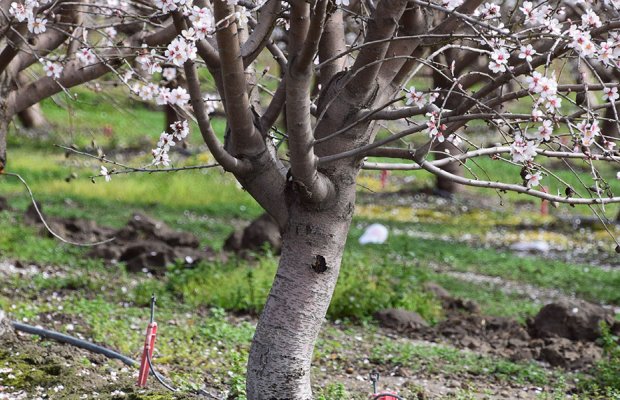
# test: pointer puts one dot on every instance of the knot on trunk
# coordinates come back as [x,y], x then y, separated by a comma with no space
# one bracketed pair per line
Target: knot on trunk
[319,265]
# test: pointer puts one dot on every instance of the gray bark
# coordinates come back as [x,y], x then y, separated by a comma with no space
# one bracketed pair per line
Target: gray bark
[32,117]
[4,128]
[281,352]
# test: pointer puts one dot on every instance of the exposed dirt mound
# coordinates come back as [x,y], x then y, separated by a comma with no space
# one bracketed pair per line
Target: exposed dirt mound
[558,335]
[143,244]
[574,320]
[262,231]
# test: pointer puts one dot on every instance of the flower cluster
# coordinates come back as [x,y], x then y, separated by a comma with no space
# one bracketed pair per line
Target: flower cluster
[488,11]
[86,56]
[435,129]
[588,131]
[203,21]
[148,61]
[547,89]
[180,50]
[419,99]
[523,150]
[180,130]
[167,6]
[26,12]
[499,60]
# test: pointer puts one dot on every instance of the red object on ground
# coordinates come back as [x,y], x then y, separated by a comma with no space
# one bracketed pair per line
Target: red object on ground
[384,396]
[544,205]
[384,177]
[149,345]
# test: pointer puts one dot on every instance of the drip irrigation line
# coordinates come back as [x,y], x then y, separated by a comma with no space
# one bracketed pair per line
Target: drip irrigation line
[61,337]
[83,344]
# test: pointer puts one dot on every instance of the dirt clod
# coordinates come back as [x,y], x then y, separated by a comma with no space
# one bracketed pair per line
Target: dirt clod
[398,319]
[262,231]
[574,320]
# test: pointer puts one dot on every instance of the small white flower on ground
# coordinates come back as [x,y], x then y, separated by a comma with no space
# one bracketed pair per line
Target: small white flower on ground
[618,175]
[375,233]
[610,94]
[533,179]
[105,173]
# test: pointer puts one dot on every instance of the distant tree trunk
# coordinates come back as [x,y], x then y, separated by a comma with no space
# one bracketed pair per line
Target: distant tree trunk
[4,128]
[281,352]
[32,117]
[445,185]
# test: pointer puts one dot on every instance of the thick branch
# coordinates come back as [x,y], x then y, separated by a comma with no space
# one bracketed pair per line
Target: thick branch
[383,25]
[227,161]
[261,33]
[332,43]
[244,137]
[304,162]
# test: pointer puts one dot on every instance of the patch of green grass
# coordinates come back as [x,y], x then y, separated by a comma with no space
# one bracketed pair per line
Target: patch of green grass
[590,283]
[438,358]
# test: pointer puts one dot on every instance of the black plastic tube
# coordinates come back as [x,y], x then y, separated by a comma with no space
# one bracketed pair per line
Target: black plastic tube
[60,337]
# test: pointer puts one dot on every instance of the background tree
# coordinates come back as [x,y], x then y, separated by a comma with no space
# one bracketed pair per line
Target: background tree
[502,79]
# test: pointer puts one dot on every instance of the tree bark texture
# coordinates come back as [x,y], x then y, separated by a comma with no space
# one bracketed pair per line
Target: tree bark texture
[32,117]
[312,248]
[4,128]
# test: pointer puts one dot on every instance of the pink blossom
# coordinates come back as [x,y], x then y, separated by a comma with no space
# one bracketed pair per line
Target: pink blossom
[414,97]
[522,150]
[527,52]
[610,94]
[533,179]
[51,69]
[37,25]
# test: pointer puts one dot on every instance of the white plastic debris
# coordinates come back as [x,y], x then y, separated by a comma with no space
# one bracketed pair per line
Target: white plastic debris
[375,233]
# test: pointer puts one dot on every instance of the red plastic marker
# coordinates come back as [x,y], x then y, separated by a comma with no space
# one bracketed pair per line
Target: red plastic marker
[384,178]
[149,346]
[544,204]
[385,396]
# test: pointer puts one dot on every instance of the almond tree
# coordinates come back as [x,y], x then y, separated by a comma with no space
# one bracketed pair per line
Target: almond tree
[358,81]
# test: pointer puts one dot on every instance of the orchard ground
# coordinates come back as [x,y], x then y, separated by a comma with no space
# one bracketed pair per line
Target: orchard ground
[207,313]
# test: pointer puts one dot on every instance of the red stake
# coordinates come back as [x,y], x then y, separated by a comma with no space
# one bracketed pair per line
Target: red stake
[544,204]
[149,346]
[384,178]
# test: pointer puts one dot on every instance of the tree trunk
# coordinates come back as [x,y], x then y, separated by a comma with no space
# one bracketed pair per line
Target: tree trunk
[4,129]
[445,185]
[312,248]
[32,117]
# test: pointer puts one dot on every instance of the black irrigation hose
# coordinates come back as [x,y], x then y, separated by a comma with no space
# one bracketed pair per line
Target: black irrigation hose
[82,344]
[60,337]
